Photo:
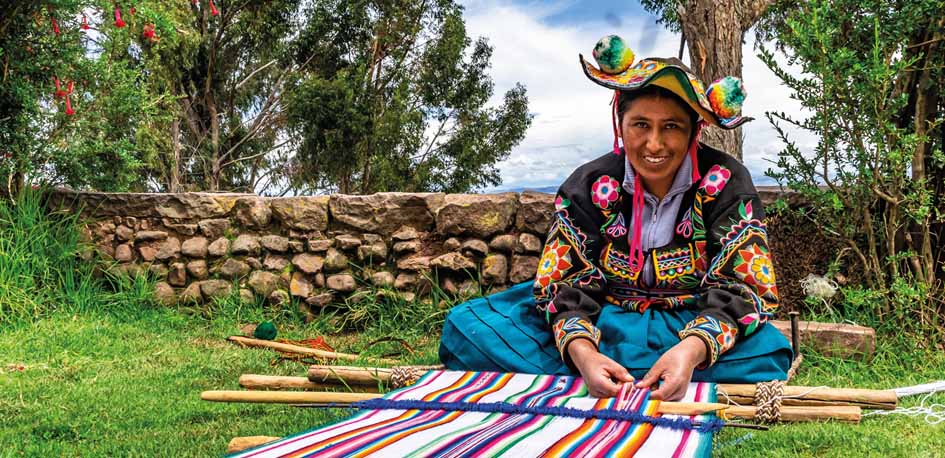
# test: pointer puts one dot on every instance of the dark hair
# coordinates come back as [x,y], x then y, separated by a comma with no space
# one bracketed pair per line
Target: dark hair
[626,97]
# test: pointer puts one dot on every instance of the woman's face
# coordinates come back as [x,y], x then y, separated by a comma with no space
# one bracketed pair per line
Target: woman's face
[655,132]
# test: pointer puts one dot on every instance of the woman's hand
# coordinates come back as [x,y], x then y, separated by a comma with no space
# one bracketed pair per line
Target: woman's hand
[675,368]
[599,372]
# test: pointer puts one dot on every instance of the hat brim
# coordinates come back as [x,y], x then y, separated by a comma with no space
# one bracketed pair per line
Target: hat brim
[670,77]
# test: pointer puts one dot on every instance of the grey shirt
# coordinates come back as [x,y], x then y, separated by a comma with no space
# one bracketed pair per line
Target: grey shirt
[659,216]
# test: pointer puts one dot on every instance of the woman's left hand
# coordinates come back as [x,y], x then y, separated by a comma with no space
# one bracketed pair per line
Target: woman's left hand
[675,368]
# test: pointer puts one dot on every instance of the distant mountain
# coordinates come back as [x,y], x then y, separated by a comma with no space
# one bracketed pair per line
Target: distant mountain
[545,189]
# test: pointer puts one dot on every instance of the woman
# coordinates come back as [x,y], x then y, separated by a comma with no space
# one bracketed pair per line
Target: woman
[656,266]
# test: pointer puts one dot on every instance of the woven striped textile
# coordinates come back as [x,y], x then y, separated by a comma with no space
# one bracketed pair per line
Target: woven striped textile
[439,433]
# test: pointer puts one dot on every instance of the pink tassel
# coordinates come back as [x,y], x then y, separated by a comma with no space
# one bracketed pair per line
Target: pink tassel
[694,150]
[636,244]
[613,116]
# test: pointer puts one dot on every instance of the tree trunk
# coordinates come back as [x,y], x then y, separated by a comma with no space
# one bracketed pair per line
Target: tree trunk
[173,181]
[714,30]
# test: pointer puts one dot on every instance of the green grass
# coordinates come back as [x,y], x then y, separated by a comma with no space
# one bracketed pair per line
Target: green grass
[99,385]
[90,367]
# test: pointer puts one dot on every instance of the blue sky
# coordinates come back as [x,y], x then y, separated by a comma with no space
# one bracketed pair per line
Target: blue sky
[537,44]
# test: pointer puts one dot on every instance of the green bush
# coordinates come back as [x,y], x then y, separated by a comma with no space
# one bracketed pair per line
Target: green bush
[42,267]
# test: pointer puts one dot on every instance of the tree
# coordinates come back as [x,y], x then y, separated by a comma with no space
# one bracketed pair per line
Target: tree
[873,79]
[52,89]
[395,99]
[714,31]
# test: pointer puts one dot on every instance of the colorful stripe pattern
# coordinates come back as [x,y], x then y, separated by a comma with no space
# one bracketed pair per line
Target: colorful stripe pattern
[433,433]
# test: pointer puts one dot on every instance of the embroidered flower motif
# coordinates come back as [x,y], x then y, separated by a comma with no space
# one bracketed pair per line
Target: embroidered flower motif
[715,180]
[754,267]
[561,203]
[554,262]
[750,321]
[604,192]
[684,228]
[618,229]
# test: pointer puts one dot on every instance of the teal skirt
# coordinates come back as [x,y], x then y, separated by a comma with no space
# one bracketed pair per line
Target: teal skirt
[503,332]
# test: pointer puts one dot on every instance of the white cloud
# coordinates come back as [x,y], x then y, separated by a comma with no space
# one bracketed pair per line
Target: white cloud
[572,121]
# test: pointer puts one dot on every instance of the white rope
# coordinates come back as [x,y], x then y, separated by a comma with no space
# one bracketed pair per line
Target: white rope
[933,414]
[933,387]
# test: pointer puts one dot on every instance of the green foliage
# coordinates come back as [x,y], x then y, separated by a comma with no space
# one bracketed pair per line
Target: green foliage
[274,96]
[97,146]
[872,81]
[42,268]
[396,98]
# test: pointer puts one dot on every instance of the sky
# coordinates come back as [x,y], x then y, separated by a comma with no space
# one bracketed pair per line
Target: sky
[537,44]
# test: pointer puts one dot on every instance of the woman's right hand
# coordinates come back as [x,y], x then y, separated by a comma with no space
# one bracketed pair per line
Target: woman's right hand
[602,375]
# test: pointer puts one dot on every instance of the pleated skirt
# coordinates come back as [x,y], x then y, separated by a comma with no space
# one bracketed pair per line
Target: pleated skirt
[502,332]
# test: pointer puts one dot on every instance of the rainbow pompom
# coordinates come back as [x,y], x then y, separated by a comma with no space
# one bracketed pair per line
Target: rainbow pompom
[612,54]
[726,96]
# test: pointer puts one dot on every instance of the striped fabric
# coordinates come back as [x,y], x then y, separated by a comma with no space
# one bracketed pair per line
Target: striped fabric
[433,433]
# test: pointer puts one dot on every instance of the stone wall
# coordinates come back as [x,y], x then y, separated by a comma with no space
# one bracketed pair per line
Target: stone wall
[319,249]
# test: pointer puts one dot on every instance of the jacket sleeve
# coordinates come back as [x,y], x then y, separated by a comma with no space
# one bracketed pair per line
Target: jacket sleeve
[741,291]
[569,286]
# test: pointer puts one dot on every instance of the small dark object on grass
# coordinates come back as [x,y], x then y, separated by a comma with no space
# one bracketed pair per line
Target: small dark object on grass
[265,331]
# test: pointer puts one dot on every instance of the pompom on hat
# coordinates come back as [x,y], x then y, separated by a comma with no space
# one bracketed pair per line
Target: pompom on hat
[720,105]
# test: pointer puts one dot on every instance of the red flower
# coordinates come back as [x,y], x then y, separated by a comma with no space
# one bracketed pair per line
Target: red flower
[148,32]
[69,110]
[52,20]
[85,23]
[118,21]
[60,93]
[213,9]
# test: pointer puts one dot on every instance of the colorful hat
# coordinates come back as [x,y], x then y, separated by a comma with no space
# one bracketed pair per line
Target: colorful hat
[720,105]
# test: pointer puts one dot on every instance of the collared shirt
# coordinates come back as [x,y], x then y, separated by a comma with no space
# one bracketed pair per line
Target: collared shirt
[659,216]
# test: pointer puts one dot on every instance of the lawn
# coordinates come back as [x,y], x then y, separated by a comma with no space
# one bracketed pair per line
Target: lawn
[123,384]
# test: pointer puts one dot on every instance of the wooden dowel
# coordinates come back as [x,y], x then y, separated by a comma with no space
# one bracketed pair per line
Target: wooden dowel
[740,393]
[849,414]
[341,399]
[250,342]
[274,382]
[350,375]
[286,397]
[238,444]
[876,399]
[808,402]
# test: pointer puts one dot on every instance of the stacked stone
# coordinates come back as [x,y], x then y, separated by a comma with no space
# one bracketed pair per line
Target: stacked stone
[318,250]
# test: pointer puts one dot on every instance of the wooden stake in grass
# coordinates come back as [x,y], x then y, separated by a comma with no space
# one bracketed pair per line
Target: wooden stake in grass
[275,382]
[289,348]
[238,444]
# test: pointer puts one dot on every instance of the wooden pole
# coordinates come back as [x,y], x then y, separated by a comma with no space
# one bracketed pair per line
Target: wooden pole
[740,393]
[850,414]
[289,348]
[274,382]
[814,396]
[329,399]
[350,375]
[238,444]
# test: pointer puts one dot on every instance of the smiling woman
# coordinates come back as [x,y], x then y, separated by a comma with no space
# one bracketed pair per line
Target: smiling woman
[656,265]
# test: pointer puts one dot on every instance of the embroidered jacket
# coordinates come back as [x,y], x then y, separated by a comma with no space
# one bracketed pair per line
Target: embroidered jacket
[717,261]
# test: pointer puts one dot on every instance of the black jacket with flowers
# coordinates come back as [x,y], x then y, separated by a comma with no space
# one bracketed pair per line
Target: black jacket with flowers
[717,261]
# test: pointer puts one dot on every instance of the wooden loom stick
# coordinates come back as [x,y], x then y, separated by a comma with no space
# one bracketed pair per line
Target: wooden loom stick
[238,444]
[349,374]
[289,348]
[275,382]
[740,393]
[329,399]
[792,395]
[850,414]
